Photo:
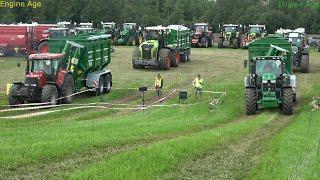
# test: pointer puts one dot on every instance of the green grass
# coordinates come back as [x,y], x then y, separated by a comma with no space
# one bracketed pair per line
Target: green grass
[100,143]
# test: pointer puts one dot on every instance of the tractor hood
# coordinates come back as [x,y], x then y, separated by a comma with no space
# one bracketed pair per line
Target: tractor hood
[268,77]
[148,49]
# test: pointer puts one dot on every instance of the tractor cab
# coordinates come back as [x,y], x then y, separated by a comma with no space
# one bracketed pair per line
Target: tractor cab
[230,28]
[44,63]
[84,28]
[129,26]
[108,27]
[201,27]
[257,30]
[157,33]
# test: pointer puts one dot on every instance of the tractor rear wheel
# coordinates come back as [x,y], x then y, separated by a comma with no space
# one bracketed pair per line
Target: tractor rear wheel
[107,83]
[188,55]
[251,101]
[287,104]
[235,43]
[220,42]
[304,63]
[43,47]
[211,42]
[175,58]
[14,100]
[136,55]
[164,59]
[67,89]
[49,94]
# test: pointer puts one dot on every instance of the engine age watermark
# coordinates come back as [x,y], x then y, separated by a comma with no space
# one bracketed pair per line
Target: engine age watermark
[20,4]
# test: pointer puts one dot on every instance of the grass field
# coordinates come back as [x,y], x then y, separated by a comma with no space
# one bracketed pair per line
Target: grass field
[165,142]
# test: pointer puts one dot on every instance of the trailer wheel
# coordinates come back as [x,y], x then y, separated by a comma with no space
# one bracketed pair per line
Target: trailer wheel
[220,42]
[251,101]
[67,89]
[175,58]
[235,43]
[100,90]
[304,63]
[287,104]
[107,83]
[49,94]
[136,55]
[43,47]
[14,100]
[164,59]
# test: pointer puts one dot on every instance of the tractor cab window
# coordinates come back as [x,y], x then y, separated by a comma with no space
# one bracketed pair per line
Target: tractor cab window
[46,65]
[201,28]
[294,38]
[268,66]
[58,33]
[255,29]
[230,28]
[128,26]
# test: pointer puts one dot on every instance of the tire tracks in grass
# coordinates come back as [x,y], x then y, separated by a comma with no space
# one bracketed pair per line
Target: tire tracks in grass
[232,159]
[62,168]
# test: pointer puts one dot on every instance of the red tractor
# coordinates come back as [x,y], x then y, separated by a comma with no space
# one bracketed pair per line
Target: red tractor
[202,35]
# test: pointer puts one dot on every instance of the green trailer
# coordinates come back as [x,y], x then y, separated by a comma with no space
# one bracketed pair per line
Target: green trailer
[165,47]
[74,63]
[270,82]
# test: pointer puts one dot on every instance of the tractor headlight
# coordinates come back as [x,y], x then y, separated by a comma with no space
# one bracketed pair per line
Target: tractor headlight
[294,49]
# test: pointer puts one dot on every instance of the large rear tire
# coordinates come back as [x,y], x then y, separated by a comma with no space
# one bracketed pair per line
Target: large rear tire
[304,63]
[251,101]
[67,89]
[164,59]
[235,43]
[175,58]
[49,94]
[220,42]
[43,47]
[287,104]
[136,55]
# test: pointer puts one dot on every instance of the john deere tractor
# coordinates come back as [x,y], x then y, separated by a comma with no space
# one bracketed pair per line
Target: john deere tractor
[252,32]
[300,48]
[130,35]
[230,35]
[109,28]
[165,47]
[270,82]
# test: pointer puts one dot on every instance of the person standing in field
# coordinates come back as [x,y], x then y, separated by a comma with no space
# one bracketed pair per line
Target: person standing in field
[198,85]
[158,83]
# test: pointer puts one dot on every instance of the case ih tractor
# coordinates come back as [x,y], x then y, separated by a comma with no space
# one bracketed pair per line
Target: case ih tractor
[130,35]
[165,47]
[253,32]
[300,48]
[230,36]
[72,66]
[201,35]
[270,82]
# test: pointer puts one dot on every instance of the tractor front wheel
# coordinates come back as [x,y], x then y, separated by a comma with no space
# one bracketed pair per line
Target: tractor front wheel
[251,101]
[164,59]
[136,55]
[14,100]
[304,63]
[235,44]
[49,94]
[287,104]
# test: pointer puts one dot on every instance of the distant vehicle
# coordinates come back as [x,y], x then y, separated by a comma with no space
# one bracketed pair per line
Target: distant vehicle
[84,28]
[252,32]
[230,35]
[130,35]
[201,35]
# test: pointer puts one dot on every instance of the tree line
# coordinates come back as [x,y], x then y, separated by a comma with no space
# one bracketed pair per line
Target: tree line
[274,13]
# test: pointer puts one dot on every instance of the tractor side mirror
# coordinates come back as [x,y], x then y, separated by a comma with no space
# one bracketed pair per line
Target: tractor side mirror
[245,63]
[18,64]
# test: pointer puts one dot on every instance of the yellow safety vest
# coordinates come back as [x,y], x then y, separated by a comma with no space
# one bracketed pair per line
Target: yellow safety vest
[158,82]
[197,83]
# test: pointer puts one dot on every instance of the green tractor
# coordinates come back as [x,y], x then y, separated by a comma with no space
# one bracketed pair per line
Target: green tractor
[165,47]
[109,28]
[230,35]
[270,82]
[252,32]
[130,35]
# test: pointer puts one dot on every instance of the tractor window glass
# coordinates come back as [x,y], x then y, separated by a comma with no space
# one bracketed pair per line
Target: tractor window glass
[128,26]
[230,29]
[201,28]
[48,66]
[255,30]
[268,66]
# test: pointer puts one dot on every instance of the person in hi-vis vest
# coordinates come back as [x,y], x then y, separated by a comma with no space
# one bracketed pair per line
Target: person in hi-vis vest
[158,83]
[198,84]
